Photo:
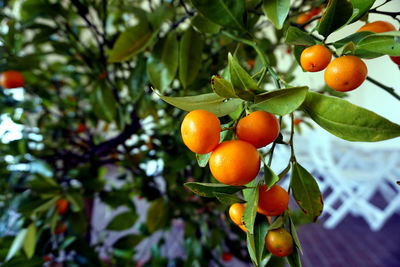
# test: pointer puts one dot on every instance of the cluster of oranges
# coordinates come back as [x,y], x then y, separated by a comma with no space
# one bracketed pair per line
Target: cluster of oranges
[344,73]
[237,162]
[11,79]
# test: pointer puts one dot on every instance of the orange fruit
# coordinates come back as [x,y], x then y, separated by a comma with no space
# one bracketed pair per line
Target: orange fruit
[377,27]
[345,73]
[234,162]
[315,11]
[200,131]
[303,18]
[315,58]
[259,128]
[81,128]
[236,212]
[11,79]
[273,202]
[62,206]
[396,60]
[279,242]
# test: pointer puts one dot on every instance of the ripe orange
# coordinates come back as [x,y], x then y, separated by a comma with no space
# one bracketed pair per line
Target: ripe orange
[315,11]
[234,162]
[11,79]
[315,58]
[377,27]
[227,256]
[236,212]
[243,228]
[303,18]
[62,206]
[200,131]
[259,128]
[272,202]
[345,73]
[279,242]
[396,60]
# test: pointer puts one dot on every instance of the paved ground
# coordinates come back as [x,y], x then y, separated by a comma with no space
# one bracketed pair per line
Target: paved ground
[351,243]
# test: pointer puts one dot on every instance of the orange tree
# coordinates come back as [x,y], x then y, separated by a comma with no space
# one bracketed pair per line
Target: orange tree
[101,83]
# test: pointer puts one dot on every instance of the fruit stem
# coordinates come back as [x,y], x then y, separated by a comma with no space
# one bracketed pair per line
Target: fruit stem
[388,89]
[292,155]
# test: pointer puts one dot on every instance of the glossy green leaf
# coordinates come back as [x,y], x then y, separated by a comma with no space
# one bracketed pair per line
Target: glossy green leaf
[250,212]
[122,221]
[387,43]
[76,201]
[222,87]
[295,237]
[132,41]
[242,82]
[202,159]
[261,228]
[228,199]
[282,101]
[337,14]
[163,62]
[160,15]
[360,7]
[128,241]
[190,51]
[67,242]
[251,247]
[348,121]
[278,223]
[204,25]
[306,192]
[210,102]
[276,11]
[30,240]
[157,215]
[354,38]
[17,244]
[295,36]
[209,189]
[297,50]
[270,178]
[294,259]
[227,13]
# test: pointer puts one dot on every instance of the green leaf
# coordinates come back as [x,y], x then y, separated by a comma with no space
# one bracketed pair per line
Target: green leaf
[209,189]
[251,247]
[227,13]
[261,228]
[47,205]
[354,38]
[17,244]
[242,82]
[157,215]
[250,212]
[294,259]
[306,192]
[348,121]
[122,221]
[204,25]
[76,201]
[202,159]
[278,223]
[160,15]
[386,43]
[270,178]
[297,50]
[103,103]
[276,11]
[360,7]
[128,241]
[210,102]
[132,41]
[222,87]
[30,240]
[282,101]
[68,241]
[293,232]
[190,51]
[295,36]
[163,62]
[228,199]
[337,14]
